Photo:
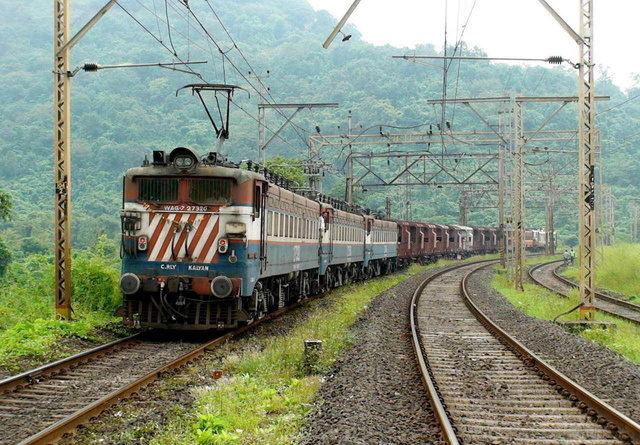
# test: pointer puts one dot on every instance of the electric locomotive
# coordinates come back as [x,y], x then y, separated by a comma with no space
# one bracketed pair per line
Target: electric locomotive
[191,241]
[206,244]
[209,245]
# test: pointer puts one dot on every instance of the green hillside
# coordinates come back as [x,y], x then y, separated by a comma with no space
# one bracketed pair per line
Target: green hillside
[120,115]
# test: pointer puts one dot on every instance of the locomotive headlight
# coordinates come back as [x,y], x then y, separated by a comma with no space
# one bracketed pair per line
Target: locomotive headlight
[184,162]
[129,283]
[223,245]
[143,243]
[183,159]
[221,287]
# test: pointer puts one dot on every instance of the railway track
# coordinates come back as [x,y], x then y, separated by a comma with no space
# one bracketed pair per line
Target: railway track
[547,275]
[486,388]
[42,405]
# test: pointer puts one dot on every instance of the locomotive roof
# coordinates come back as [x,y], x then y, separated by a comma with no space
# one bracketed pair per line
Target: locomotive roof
[216,171]
[423,224]
[457,227]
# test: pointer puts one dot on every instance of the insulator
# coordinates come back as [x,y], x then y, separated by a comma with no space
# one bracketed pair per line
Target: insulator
[90,67]
[555,60]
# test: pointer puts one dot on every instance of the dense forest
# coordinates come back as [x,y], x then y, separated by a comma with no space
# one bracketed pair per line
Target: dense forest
[120,115]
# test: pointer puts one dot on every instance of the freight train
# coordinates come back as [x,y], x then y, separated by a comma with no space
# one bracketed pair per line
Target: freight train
[535,240]
[207,244]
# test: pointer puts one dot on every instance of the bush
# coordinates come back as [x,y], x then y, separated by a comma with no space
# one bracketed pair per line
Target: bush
[95,278]
[5,258]
[27,291]
[33,245]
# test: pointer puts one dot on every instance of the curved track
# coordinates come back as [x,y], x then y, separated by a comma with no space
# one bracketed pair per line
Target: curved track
[546,275]
[42,405]
[487,388]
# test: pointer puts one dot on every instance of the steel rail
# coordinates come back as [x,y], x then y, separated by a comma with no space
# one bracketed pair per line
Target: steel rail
[614,419]
[19,380]
[448,430]
[56,431]
[599,295]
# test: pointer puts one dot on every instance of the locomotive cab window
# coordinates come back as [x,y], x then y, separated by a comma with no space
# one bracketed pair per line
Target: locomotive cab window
[210,191]
[158,189]
[257,200]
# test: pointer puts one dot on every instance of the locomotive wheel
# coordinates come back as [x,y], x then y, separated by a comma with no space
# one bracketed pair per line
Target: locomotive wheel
[347,276]
[328,280]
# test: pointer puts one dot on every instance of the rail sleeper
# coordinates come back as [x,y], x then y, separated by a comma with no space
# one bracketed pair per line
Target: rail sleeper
[492,396]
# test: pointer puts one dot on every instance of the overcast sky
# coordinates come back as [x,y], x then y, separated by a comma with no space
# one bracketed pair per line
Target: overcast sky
[503,28]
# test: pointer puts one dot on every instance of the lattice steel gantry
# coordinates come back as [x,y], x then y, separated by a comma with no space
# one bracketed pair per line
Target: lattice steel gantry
[62,75]
[62,161]
[518,182]
[586,148]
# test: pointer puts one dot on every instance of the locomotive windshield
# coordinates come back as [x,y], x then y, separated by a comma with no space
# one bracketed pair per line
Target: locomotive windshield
[171,190]
[158,189]
[210,191]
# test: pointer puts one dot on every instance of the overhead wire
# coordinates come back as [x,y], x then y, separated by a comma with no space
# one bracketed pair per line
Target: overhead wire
[188,39]
[367,129]
[445,67]
[544,72]
[160,19]
[155,8]
[266,127]
[209,40]
[506,83]
[619,146]
[464,28]
[147,30]
[234,65]
[236,47]
[455,50]
[186,17]
[619,105]
[166,12]
[158,40]
[264,87]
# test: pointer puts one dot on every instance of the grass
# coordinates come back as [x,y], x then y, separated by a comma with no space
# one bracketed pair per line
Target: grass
[618,271]
[265,394]
[541,303]
[28,328]
[38,338]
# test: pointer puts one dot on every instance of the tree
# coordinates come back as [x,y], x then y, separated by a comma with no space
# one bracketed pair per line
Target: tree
[289,168]
[571,241]
[5,214]
[5,206]
[5,258]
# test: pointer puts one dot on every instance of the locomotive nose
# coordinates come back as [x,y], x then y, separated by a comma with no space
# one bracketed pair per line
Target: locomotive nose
[129,283]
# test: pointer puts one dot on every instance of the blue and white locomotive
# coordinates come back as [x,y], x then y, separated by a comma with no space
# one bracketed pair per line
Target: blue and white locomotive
[207,244]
